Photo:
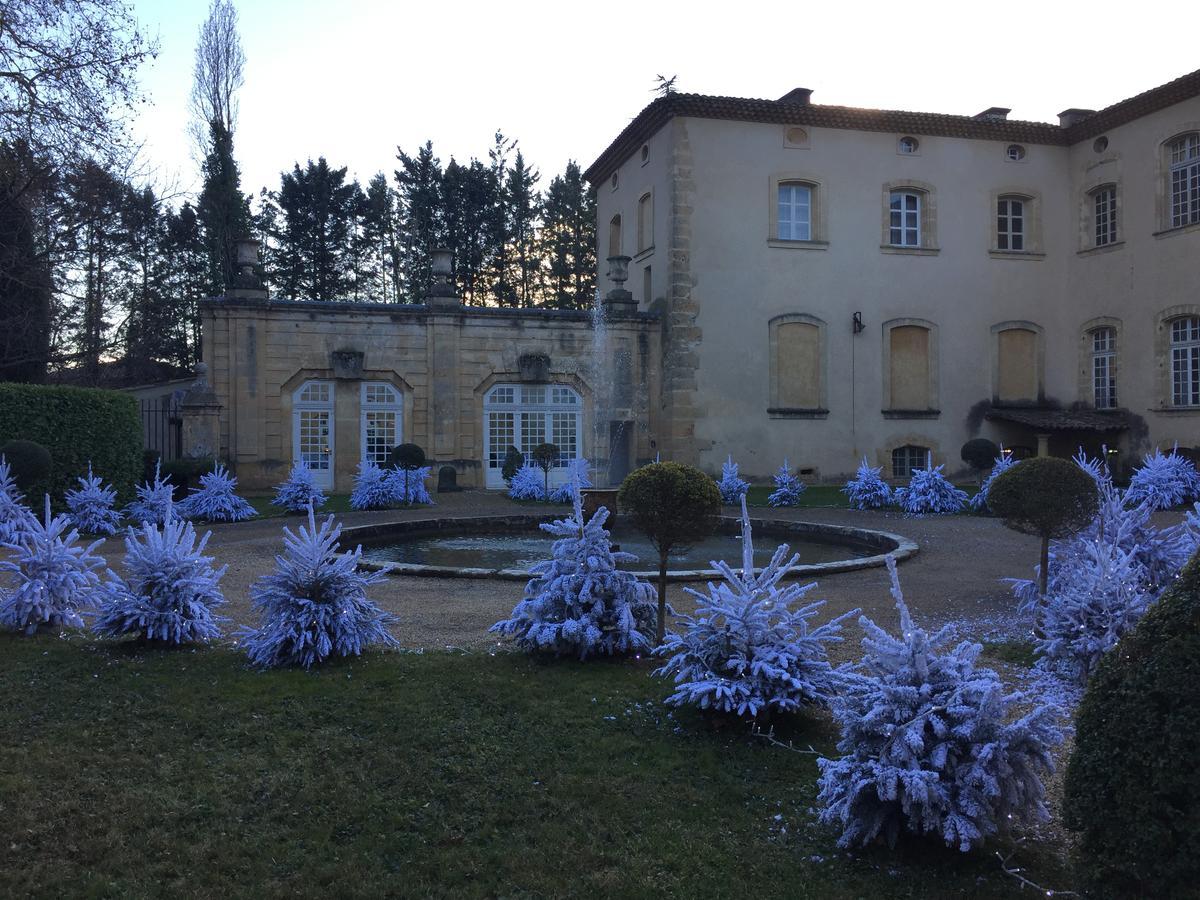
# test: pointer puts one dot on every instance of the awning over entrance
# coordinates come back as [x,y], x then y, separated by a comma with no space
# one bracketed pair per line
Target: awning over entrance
[1062,419]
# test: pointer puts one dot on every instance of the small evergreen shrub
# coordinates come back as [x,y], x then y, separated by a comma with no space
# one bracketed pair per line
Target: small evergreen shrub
[170,589]
[513,460]
[1001,464]
[527,484]
[216,500]
[732,487]
[578,602]
[154,503]
[1132,789]
[300,490]
[14,514]
[929,746]
[747,650]
[930,493]
[578,478]
[788,487]
[372,489]
[90,506]
[978,453]
[1164,481]
[867,489]
[408,486]
[30,462]
[314,605]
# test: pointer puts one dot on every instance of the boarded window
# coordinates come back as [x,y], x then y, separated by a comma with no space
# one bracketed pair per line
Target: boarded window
[614,236]
[910,367]
[645,223]
[1017,378]
[798,365]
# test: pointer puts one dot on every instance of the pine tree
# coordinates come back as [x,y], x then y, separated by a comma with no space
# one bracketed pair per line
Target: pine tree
[1003,463]
[91,506]
[578,603]
[300,490]
[25,275]
[568,240]
[382,264]
[372,489]
[419,184]
[1164,480]
[55,576]
[929,745]
[170,589]
[523,209]
[409,487]
[528,484]
[747,650]
[223,210]
[216,500]
[867,489]
[929,493]
[154,503]
[314,605]
[788,487]
[578,478]
[15,516]
[317,214]
[731,486]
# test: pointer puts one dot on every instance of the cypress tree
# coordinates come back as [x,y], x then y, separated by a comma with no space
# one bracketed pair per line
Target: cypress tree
[223,210]
[568,240]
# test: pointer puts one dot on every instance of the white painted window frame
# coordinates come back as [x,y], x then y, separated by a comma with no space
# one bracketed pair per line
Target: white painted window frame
[1104,367]
[1185,361]
[393,407]
[899,234]
[531,402]
[322,476]
[799,198]
[1183,155]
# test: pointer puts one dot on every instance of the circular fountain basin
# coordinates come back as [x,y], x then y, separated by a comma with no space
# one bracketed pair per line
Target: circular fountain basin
[506,546]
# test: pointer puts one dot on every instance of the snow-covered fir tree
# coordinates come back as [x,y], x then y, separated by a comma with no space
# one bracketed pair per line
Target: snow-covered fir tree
[578,603]
[15,516]
[91,506]
[169,591]
[372,489]
[1002,464]
[929,744]
[300,490]
[155,501]
[1164,480]
[216,499]
[578,478]
[528,484]
[408,487]
[314,605]
[867,489]
[929,493]
[731,486]
[55,576]
[788,487]
[749,647]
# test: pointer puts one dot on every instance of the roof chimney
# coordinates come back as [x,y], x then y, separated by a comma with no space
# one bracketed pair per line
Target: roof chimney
[1069,117]
[996,113]
[797,97]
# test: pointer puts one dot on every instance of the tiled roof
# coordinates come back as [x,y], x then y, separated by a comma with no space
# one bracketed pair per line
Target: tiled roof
[703,106]
[1062,419]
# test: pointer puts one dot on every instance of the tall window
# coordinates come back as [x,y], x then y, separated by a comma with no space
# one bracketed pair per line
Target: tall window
[1104,368]
[795,212]
[525,415]
[1010,223]
[909,382]
[1104,207]
[1017,376]
[312,429]
[905,219]
[614,236]
[645,225]
[909,458]
[380,420]
[1185,362]
[1184,155]
[796,364]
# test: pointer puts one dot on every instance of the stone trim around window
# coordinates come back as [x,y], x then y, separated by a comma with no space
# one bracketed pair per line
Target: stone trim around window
[819,231]
[883,455]
[1086,387]
[775,409]
[934,395]
[1032,214]
[1039,356]
[1162,168]
[928,219]
[1162,356]
[1106,175]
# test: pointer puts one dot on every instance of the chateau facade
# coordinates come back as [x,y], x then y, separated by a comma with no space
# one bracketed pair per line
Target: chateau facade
[812,282]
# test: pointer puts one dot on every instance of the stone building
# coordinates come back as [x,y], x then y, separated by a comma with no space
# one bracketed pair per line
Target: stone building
[816,282]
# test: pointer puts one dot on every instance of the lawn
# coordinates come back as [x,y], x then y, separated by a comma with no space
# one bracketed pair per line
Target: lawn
[128,771]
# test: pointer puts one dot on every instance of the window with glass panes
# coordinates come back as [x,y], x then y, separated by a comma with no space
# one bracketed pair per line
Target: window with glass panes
[907,459]
[312,429]
[795,212]
[1104,368]
[905,219]
[1185,361]
[1184,161]
[1010,223]
[524,416]
[1104,203]
[381,420]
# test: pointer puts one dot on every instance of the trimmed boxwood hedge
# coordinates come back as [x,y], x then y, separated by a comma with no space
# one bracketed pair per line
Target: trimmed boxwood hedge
[76,425]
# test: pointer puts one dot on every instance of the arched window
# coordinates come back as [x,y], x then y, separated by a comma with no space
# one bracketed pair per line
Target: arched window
[795,206]
[614,236]
[797,358]
[1010,223]
[380,420]
[1183,159]
[909,458]
[1104,367]
[1018,363]
[910,371]
[525,415]
[904,218]
[1185,361]
[645,223]
[312,429]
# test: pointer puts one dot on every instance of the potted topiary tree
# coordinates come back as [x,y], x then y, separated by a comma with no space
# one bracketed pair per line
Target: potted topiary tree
[545,457]
[513,460]
[674,506]
[407,458]
[1047,497]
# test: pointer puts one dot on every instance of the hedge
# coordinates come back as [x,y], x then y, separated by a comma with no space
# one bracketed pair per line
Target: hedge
[76,425]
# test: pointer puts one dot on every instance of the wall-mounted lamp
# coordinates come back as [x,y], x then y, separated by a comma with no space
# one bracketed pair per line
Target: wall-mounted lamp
[858,322]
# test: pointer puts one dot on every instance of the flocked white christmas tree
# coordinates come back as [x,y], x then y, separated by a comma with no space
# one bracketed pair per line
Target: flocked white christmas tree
[930,745]
[216,499]
[372,490]
[300,490]
[169,591]
[55,577]
[578,602]
[578,478]
[731,486]
[788,487]
[15,517]
[929,493]
[1164,480]
[314,605]
[91,506]
[155,500]
[409,487]
[867,489]
[529,483]
[1000,465]
[749,647]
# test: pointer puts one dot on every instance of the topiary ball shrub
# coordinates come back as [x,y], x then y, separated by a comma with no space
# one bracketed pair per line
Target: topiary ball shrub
[406,457]
[979,453]
[30,462]
[513,460]
[1132,788]
[1047,497]
[545,457]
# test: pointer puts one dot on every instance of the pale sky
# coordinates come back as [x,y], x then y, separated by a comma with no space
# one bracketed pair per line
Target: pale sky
[352,79]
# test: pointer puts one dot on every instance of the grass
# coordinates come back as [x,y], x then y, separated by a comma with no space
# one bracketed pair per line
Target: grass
[334,503]
[1015,652]
[134,772]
